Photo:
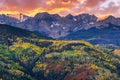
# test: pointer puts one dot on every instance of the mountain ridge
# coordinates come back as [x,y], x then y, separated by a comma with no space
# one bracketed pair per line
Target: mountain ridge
[55,26]
[107,35]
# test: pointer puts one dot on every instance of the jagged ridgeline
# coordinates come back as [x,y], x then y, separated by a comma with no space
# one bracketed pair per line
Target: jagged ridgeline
[9,34]
[33,57]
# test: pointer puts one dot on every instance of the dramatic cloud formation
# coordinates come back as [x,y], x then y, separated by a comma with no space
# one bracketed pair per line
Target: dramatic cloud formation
[62,7]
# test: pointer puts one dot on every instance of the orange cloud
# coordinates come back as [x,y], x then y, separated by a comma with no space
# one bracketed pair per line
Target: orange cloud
[62,7]
[93,3]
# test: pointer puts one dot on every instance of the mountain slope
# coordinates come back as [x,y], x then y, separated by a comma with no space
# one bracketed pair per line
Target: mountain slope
[8,34]
[98,35]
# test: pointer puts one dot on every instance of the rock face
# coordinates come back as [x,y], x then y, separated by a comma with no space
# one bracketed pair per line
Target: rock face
[5,19]
[56,26]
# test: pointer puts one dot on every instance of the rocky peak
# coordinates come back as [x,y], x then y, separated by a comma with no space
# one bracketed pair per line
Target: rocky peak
[86,18]
[110,20]
[55,15]
[43,15]
[69,16]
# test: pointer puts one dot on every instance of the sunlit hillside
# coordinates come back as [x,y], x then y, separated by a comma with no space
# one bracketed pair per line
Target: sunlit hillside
[28,57]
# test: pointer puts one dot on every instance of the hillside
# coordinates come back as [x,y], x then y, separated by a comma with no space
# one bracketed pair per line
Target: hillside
[56,60]
[26,55]
[9,34]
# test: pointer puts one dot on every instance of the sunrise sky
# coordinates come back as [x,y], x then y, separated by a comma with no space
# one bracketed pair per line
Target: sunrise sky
[63,7]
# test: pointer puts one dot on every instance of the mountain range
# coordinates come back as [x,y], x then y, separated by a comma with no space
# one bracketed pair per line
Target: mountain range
[32,55]
[83,26]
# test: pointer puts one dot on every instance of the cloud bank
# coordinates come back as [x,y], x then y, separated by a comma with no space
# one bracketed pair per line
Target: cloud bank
[62,7]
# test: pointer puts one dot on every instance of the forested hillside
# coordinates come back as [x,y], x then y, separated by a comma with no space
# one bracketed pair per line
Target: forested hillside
[31,57]
[9,34]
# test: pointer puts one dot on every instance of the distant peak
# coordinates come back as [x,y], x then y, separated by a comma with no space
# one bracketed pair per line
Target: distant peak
[106,17]
[57,15]
[69,16]
[110,17]
[43,13]
[83,14]
[102,18]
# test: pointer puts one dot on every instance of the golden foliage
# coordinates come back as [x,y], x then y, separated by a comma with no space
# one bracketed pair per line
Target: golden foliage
[19,39]
[16,72]
[94,66]
[39,66]
[33,47]
[25,45]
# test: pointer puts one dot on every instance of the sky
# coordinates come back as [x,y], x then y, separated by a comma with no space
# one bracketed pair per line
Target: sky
[99,8]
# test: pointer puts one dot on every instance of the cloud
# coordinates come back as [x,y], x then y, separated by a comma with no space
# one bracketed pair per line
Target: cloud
[112,8]
[62,7]
[93,3]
